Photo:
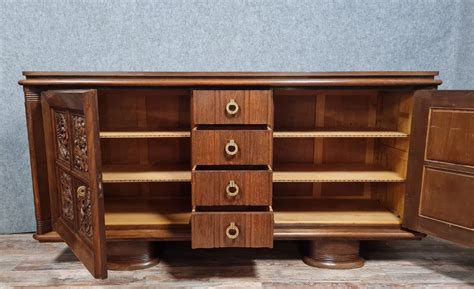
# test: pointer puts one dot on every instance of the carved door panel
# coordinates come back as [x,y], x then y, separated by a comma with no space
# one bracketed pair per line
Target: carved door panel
[74,174]
[440,181]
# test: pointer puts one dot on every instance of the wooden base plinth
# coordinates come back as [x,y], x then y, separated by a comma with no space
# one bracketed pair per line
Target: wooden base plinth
[131,255]
[332,254]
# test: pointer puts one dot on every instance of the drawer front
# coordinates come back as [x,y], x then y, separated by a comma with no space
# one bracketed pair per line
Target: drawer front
[232,107]
[232,147]
[232,229]
[221,188]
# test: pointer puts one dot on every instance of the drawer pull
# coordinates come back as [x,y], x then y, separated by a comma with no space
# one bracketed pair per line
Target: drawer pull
[232,189]
[232,231]
[231,148]
[81,192]
[232,108]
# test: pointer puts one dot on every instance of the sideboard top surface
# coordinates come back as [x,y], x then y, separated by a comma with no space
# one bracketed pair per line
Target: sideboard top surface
[265,79]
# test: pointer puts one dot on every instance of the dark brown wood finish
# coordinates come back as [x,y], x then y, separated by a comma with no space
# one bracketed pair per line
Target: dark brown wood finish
[244,147]
[39,170]
[131,255]
[74,170]
[333,254]
[190,79]
[232,187]
[232,107]
[336,176]
[232,229]
[440,193]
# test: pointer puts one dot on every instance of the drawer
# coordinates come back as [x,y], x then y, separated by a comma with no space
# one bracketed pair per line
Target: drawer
[232,107]
[231,147]
[232,187]
[232,229]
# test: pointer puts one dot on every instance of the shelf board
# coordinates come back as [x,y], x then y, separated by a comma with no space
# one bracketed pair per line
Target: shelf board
[281,173]
[124,214]
[307,212]
[141,174]
[132,213]
[276,134]
[144,134]
[333,173]
[339,134]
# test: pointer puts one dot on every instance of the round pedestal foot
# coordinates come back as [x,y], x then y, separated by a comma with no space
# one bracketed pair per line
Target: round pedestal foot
[333,254]
[131,255]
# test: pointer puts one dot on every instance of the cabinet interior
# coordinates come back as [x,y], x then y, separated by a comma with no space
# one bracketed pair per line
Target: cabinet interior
[339,156]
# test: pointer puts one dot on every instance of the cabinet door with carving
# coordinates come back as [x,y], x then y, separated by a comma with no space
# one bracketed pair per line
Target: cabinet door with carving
[440,181]
[74,174]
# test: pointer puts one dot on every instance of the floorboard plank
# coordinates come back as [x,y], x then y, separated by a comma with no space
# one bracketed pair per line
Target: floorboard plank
[390,264]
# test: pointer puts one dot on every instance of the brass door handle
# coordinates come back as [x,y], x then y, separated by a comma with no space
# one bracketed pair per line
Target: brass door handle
[232,231]
[232,189]
[232,108]
[81,192]
[231,148]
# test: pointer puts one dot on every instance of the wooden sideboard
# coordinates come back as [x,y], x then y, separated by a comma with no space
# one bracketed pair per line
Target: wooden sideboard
[123,161]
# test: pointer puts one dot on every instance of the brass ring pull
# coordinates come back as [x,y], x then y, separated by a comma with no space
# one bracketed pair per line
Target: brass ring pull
[81,192]
[232,231]
[231,148]
[232,189]
[232,108]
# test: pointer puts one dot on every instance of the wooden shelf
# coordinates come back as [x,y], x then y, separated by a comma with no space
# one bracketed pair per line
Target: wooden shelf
[145,134]
[307,212]
[132,213]
[281,173]
[276,134]
[122,213]
[140,174]
[333,173]
[339,134]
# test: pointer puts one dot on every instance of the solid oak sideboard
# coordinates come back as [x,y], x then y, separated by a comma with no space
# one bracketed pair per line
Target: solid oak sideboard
[124,160]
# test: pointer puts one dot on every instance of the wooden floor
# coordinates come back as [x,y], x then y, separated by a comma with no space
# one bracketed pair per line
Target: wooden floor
[427,263]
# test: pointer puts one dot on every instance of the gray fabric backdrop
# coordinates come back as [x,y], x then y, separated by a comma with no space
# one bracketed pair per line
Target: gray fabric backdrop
[230,35]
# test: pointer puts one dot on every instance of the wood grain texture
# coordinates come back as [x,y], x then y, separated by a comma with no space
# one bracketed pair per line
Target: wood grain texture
[328,124]
[144,173]
[71,126]
[39,170]
[255,229]
[125,74]
[333,254]
[131,255]
[437,200]
[342,127]
[333,173]
[254,147]
[252,107]
[439,191]
[339,134]
[429,263]
[394,111]
[254,187]
[144,134]
[128,109]
[451,136]
[318,213]
[124,213]
[130,79]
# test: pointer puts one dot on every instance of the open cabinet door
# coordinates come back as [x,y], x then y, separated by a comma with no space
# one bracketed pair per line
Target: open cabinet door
[74,174]
[440,181]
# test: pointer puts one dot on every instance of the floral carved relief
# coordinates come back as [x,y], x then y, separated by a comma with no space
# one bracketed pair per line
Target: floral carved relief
[85,210]
[62,136]
[80,143]
[67,207]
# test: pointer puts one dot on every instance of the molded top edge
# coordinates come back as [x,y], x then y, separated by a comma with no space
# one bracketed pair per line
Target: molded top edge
[232,79]
[202,74]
